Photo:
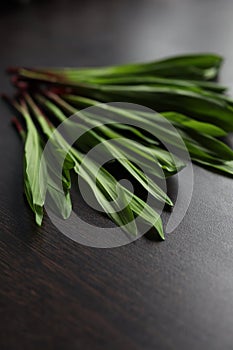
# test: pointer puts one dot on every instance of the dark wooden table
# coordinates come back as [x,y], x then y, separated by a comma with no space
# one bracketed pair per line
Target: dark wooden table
[57,294]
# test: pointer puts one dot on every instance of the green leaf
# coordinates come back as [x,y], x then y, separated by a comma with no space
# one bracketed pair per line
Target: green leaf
[34,186]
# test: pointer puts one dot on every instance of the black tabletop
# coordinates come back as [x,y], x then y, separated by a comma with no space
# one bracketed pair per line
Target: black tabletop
[57,294]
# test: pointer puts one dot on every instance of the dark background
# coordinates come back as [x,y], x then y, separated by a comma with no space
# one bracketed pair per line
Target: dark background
[57,294]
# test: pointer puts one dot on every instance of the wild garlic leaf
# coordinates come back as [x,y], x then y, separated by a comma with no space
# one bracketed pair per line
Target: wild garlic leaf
[34,169]
[195,66]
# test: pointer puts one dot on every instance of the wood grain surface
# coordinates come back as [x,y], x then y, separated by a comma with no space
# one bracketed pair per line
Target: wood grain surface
[57,294]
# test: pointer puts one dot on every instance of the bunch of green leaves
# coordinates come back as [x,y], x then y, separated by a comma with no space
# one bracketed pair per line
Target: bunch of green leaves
[180,88]
[200,138]
[105,187]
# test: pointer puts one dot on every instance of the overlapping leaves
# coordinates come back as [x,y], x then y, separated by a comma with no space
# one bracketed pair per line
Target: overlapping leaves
[180,88]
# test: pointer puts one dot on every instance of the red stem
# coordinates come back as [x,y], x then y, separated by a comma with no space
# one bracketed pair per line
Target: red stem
[12,70]
[17,124]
